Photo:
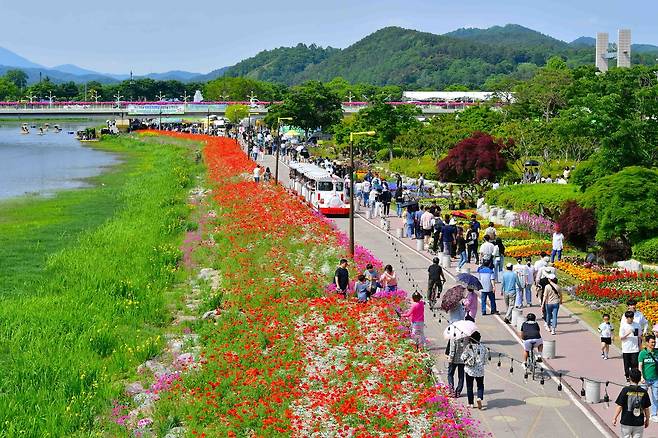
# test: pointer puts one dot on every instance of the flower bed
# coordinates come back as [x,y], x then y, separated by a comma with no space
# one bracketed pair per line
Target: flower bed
[535,223]
[581,273]
[620,287]
[527,250]
[650,310]
[283,358]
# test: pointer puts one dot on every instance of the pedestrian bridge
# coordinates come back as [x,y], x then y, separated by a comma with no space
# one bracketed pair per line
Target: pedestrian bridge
[156,109]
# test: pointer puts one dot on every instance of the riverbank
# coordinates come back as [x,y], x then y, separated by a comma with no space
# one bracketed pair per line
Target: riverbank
[84,283]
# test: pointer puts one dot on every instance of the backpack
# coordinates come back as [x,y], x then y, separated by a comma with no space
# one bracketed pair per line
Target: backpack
[438,224]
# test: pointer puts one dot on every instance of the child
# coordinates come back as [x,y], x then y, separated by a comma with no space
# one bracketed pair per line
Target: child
[475,358]
[606,330]
[417,316]
[361,289]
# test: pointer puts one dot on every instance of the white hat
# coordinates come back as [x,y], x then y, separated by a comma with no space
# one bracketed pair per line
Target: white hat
[550,273]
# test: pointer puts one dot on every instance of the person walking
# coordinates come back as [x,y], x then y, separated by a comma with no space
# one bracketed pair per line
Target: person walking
[448,235]
[499,256]
[426,224]
[486,251]
[486,277]
[342,278]
[521,271]
[421,184]
[436,278]
[385,198]
[552,301]
[638,316]
[472,236]
[437,226]
[558,244]
[491,232]
[649,368]
[416,315]
[456,363]
[471,304]
[399,199]
[629,334]
[409,223]
[461,250]
[510,287]
[633,405]
[606,329]
[257,173]
[475,359]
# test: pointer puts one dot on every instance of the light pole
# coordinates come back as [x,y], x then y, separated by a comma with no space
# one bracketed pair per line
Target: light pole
[352,178]
[278,146]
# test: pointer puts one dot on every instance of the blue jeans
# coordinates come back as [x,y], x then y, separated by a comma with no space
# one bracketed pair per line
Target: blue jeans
[398,208]
[366,197]
[551,314]
[652,388]
[459,367]
[492,301]
[410,230]
[463,258]
[499,261]
[528,295]
[559,256]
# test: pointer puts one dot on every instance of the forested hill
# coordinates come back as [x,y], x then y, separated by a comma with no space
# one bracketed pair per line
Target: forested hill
[280,65]
[417,60]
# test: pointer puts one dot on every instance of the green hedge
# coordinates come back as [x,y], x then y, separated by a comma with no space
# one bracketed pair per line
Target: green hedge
[530,197]
[412,167]
[647,250]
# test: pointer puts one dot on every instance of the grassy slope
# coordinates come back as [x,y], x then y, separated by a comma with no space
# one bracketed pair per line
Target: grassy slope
[83,283]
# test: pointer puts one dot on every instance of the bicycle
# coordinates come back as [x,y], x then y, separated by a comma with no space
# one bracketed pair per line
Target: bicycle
[433,296]
[531,367]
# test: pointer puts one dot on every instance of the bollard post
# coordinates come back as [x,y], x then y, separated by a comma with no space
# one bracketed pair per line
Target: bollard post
[445,261]
[516,315]
[399,232]
[368,214]
[592,391]
[420,245]
[549,348]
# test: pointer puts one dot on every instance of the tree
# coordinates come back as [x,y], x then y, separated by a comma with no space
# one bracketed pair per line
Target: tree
[235,113]
[578,224]
[8,90]
[387,120]
[625,204]
[17,77]
[311,105]
[546,92]
[474,159]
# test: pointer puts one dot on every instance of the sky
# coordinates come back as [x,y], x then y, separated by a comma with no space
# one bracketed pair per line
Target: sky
[119,36]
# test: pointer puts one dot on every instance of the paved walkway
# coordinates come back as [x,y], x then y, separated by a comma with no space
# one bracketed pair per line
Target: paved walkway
[514,407]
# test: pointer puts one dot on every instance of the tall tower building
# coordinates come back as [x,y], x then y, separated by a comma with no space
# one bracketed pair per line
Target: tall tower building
[624,48]
[602,51]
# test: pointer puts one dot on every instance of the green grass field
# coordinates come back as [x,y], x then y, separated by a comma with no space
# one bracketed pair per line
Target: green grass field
[83,281]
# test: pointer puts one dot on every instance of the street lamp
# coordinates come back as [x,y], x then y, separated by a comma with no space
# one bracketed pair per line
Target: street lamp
[352,178]
[278,146]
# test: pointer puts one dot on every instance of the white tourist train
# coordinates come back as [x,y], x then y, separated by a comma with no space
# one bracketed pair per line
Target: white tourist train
[320,188]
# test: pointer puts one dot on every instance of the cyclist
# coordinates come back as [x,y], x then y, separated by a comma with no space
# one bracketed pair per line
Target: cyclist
[435,281]
[531,338]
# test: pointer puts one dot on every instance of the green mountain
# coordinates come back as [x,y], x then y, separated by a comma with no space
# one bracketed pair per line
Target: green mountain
[508,35]
[280,65]
[422,60]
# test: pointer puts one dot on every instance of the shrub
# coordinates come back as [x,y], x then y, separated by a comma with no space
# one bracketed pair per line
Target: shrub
[613,250]
[578,224]
[544,199]
[412,167]
[474,159]
[383,154]
[625,204]
[647,250]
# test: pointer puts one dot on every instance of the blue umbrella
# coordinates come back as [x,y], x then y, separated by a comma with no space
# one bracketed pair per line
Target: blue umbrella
[470,281]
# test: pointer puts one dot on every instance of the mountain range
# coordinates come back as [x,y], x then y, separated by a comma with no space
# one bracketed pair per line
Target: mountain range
[391,55]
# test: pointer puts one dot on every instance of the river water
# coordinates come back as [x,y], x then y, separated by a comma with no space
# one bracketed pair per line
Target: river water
[42,164]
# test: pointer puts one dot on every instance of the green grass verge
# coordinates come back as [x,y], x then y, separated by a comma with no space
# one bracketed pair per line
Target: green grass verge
[83,285]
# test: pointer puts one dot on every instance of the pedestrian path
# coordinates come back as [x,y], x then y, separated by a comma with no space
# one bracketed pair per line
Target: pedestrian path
[514,407]
[578,351]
